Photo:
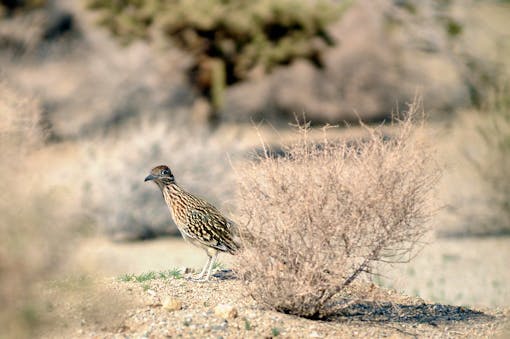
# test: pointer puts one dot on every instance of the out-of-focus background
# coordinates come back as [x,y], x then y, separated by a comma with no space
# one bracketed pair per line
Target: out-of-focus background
[94,93]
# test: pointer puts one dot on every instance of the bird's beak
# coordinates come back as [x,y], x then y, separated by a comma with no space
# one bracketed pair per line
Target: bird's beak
[150,177]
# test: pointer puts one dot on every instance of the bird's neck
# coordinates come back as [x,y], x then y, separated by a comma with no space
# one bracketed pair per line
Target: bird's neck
[175,198]
[172,189]
[163,183]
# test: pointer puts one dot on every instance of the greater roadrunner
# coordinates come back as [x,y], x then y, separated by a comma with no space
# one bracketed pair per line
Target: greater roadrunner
[198,221]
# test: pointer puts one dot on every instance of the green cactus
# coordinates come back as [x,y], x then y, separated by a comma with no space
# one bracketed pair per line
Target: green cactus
[228,38]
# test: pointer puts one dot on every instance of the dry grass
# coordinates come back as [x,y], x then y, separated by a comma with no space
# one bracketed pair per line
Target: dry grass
[318,218]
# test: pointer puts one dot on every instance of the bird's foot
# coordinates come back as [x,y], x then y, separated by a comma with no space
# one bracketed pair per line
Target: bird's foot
[199,279]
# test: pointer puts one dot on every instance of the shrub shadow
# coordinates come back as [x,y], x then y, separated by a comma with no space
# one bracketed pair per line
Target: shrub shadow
[225,274]
[388,312]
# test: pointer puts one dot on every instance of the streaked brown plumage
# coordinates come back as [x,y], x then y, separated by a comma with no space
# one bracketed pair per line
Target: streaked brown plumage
[198,221]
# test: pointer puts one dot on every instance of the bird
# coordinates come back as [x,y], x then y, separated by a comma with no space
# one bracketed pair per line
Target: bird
[198,221]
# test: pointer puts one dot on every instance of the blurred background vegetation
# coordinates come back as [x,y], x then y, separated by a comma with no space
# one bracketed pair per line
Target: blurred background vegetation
[227,39]
[93,93]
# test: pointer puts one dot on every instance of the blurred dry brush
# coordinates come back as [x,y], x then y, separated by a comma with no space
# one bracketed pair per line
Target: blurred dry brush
[492,162]
[445,28]
[38,225]
[42,224]
[317,219]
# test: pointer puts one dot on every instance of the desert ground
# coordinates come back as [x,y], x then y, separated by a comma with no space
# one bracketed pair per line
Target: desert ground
[446,291]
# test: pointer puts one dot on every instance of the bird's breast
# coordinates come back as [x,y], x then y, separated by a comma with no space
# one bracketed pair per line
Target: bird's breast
[176,205]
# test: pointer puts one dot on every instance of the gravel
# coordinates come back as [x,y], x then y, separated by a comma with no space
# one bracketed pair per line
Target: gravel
[171,307]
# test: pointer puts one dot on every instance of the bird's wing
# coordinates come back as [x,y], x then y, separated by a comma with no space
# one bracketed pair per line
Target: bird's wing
[210,228]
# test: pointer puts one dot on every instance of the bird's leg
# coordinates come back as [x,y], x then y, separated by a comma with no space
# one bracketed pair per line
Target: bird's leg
[211,266]
[201,275]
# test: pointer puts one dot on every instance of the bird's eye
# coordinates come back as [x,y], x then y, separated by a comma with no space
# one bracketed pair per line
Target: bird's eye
[165,172]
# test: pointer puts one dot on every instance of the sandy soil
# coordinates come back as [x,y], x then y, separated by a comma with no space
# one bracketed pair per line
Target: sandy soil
[179,307]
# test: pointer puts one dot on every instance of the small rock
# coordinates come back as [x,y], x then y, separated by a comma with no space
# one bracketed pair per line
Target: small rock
[172,304]
[221,327]
[186,270]
[225,311]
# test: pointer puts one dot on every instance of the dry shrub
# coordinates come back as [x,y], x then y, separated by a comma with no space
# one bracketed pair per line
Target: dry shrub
[319,217]
[37,228]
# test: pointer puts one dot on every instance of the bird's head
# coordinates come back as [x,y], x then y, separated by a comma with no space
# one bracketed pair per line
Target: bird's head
[161,175]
